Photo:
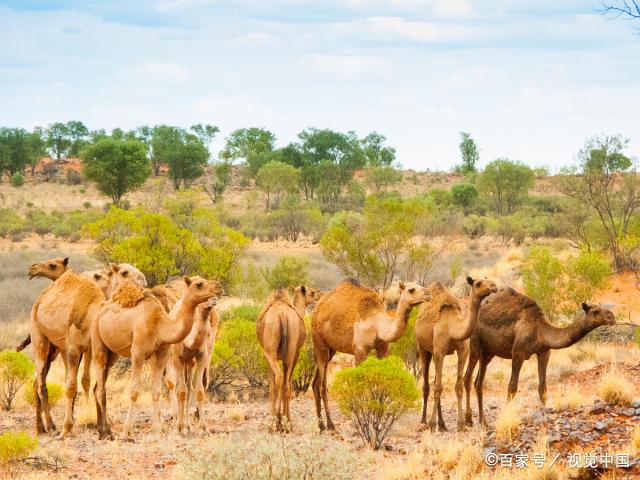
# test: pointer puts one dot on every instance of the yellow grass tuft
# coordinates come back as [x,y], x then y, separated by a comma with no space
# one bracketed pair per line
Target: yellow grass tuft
[508,422]
[634,444]
[568,398]
[616,388]
[235,414]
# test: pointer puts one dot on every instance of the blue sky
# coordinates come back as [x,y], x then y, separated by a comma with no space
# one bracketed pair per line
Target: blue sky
[530,79]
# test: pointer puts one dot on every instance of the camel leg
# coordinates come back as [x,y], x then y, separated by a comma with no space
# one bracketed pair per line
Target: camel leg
[188,377]
[201,366]
[425,358]
[471,365]
[181,393]
[325,395]
[86,374]
[438,361]
[159,362]
[134,391]
[44,352]
[288,386]
[170,382]
[103,361]
[71,388]
[543,361]
[278,379]
[315,386]
[516,365]
[484,361]
[463,354]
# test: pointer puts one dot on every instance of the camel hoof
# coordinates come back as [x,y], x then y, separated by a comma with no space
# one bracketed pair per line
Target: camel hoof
[462,427]
[442,428]
[431,426]
[321,426]
[469,422]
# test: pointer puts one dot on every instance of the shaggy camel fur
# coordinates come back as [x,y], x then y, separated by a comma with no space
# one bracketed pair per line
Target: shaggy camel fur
[134,324]
[188,361]
[512,325]
[61,319]
[281,333]
[440,330]
[352,319]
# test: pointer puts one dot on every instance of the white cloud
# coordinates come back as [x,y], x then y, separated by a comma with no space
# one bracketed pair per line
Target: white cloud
[163,72]
[453,7]
[421,31]
[349,67]
[234,110]
[256,39]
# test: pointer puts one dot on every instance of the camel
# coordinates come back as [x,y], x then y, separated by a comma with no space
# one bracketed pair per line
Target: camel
[188,362]
[512,325]
[281,333]
[440,330]
[135,324]
[352,319]
[60,322]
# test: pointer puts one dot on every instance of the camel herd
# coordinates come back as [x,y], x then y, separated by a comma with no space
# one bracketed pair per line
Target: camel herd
[109,313]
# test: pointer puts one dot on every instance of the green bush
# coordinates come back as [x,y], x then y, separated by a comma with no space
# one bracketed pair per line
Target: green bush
[307,457]
[289,271]
[16,446]
[15,370]
[11,222]
[223,368]
[17,179]
[240,335]
[245,311]
[406,348]
[55,391]
[374,395]
[474,226]
[464,194]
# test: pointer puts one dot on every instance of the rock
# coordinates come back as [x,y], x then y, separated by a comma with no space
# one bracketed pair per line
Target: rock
[601,426]
[598,407]
[637,411]
[636,404]
[159,465]
[629,412]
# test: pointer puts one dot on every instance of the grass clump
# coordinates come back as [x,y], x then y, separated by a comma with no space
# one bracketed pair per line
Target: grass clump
[245,311]
[54,390]
[616,389]
[16,446]
[569,398]
[15,370]
[374,395]
[508,422]
[271,458]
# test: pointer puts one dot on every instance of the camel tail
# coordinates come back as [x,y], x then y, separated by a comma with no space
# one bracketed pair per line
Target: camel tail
[86,374]
[24,344]
[284,340]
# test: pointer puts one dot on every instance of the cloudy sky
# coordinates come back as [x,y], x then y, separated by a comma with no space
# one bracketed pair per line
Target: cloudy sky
[530,79]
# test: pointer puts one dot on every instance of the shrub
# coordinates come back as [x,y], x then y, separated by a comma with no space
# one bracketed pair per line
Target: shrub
[289,271]
[245,311]
[464,194]
[55,391]
[86,205]
[616,389]
[271,458]
[474,226]
[11,222]
[508,422]
[406,348]
[16,446]
[17,179]
[374,395]
[15,370]
[73,177]
[223,367]
[240,335]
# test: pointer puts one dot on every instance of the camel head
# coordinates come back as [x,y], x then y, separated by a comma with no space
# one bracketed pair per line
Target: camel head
[482,288]
[199,290]
[102,277]
[310,295]
[51,269]
[597,316]
[122,272]
[413,293]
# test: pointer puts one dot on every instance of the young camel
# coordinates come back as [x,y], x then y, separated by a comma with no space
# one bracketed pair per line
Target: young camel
[440,330]
[134,324]
[192,355]
[352,319]
[61,319]
[281,333]
[512,325]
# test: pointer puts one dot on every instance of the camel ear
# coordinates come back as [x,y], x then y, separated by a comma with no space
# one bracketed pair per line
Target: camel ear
[96,276]
[65,261]
[303,289]
[586,307]
[187,280]
[114,267]
[470,280]
[401,285]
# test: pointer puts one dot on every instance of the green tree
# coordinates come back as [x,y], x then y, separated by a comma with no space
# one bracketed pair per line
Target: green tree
[15,370]
[376,153]
[16,151]
[38,147]
[606,182]
[116,166]
[289,271]
[250,145]
[507,183]
[469,153]
[205,132]
[79,135]
[162,145]
[277,179]
[58,140]
[221,177]
[381,178]
[464,194]
[186,161]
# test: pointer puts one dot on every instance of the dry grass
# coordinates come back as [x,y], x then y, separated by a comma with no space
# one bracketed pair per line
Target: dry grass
[615,388]
[634,444]
[508,422]
[568,398]
[235,414]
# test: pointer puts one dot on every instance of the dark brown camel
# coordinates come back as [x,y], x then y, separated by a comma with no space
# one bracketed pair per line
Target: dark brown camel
[512,325]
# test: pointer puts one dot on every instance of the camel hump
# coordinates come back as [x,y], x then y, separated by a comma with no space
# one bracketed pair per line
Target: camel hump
[128,295]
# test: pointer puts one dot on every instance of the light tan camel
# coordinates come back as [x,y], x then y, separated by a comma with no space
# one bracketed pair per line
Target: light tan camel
[187,366]
[281,333]
[441,329]
[352,319]
[512,325]
[135,324]
[61,318]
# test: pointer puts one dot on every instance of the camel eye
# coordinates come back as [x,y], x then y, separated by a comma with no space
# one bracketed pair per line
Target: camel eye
[52,266]
[412,290]
[125,273]
[199,284]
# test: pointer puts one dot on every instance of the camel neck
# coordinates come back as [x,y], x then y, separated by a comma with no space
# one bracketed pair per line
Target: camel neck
[300,305]
[178,325]
[556,337]
[396,325]
[198,333]
[469,323]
